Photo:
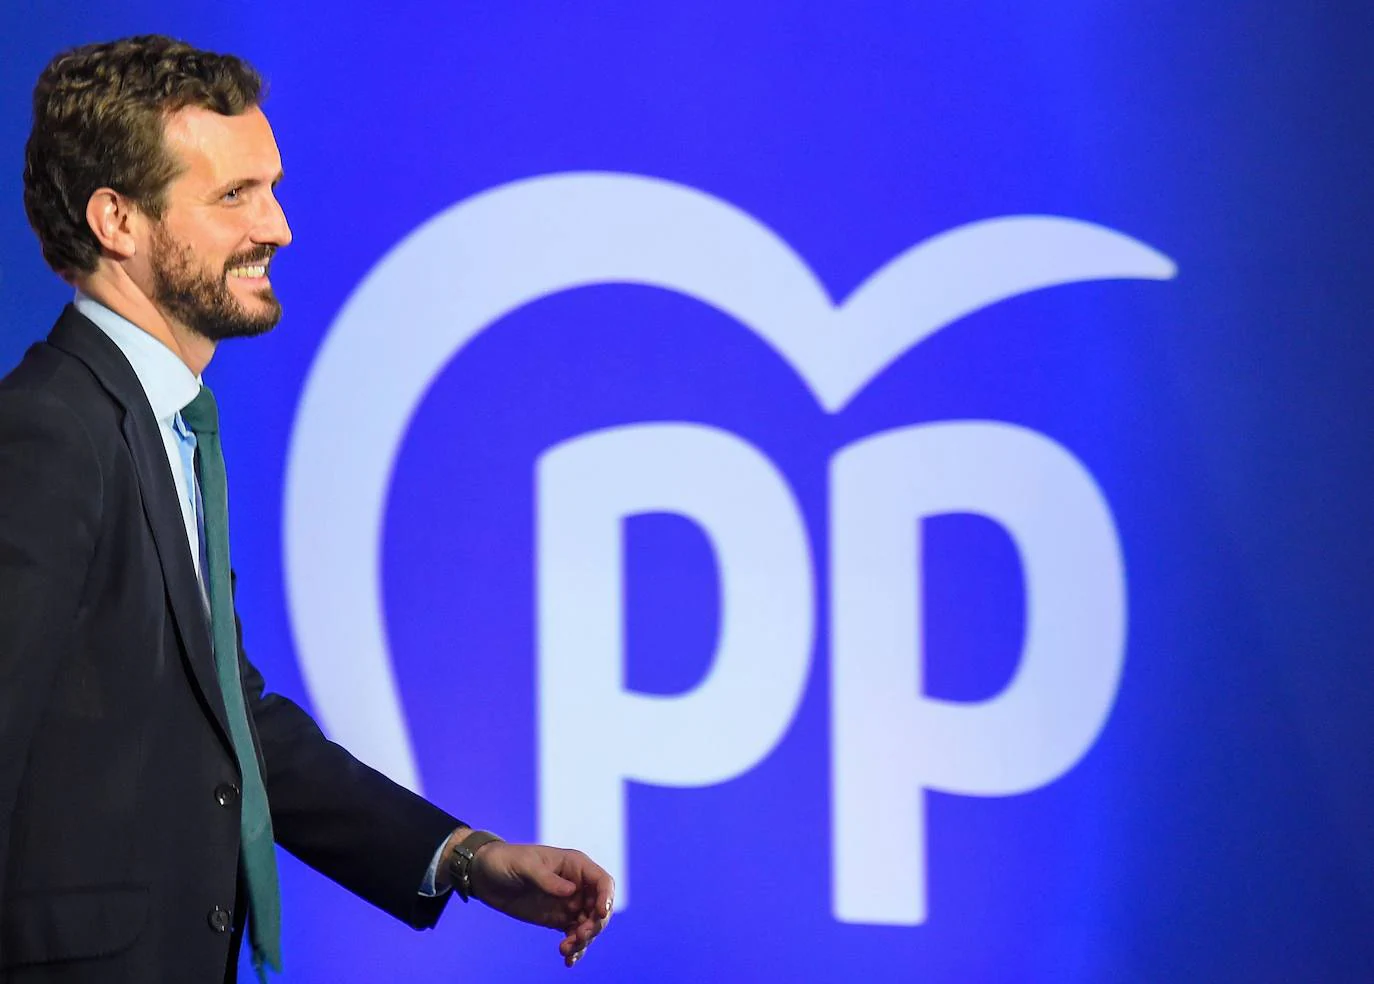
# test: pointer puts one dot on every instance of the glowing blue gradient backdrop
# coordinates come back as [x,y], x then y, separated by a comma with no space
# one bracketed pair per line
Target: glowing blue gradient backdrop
[1219,828]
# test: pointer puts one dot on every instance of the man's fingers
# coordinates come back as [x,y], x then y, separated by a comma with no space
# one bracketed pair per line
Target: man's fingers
[573,953]
[578,936]
[598,887]
[605,897]
[572,949]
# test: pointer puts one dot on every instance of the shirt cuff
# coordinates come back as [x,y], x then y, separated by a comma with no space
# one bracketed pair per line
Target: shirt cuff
[429,887]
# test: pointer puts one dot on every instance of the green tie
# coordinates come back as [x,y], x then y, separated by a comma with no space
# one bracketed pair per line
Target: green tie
[255,822]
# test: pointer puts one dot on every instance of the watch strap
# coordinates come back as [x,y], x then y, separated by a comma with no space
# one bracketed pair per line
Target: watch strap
[461,857]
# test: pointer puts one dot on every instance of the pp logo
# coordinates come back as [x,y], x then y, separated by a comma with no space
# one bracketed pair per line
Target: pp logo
[889,743]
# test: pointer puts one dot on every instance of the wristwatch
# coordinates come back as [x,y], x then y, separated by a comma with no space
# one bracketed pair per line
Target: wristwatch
[460,860]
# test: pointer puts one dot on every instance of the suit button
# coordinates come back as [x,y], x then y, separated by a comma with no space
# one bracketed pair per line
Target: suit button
[219,919]
[226,794]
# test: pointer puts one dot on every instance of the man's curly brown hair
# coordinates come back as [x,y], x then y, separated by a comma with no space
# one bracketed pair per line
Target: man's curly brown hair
[98,115]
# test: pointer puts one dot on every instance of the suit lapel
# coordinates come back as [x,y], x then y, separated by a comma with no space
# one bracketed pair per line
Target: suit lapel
[78,337]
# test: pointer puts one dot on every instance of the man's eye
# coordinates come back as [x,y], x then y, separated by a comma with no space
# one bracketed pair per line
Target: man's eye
[233,195]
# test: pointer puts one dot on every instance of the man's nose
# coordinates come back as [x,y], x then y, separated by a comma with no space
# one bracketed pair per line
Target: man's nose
[272,227]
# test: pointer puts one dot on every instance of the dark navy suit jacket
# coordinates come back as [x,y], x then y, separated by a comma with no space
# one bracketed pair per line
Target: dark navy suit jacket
[119,813]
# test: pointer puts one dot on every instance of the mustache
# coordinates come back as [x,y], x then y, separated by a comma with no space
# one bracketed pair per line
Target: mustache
[252,257]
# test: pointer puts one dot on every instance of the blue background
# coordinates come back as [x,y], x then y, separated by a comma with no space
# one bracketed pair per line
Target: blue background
[1220,827]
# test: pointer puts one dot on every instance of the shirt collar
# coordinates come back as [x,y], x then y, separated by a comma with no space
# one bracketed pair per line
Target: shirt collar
[166,380]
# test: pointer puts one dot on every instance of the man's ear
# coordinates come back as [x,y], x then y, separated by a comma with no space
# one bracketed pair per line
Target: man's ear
[114,219]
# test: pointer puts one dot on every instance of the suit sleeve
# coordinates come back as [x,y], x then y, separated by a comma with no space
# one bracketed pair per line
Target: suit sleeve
[344,819]
[50,494]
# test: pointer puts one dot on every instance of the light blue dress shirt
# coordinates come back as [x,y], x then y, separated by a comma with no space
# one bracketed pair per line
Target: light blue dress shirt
[169,385]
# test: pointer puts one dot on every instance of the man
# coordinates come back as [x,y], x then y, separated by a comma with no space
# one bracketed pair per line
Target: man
[144,772]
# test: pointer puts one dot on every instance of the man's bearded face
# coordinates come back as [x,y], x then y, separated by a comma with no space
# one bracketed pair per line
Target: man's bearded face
[198,295]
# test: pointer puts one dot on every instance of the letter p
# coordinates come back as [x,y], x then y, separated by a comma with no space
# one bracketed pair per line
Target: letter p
[594,735]
[890,741]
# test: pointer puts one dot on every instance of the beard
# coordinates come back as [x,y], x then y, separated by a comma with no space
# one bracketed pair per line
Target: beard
[203,301]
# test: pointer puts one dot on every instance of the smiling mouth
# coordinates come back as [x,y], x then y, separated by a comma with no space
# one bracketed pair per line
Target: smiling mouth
[249,271]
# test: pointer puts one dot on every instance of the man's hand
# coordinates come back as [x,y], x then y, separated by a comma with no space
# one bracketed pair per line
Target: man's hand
[547,886]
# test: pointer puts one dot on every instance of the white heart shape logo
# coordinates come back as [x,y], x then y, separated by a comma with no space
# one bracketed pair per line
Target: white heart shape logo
[491,254]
